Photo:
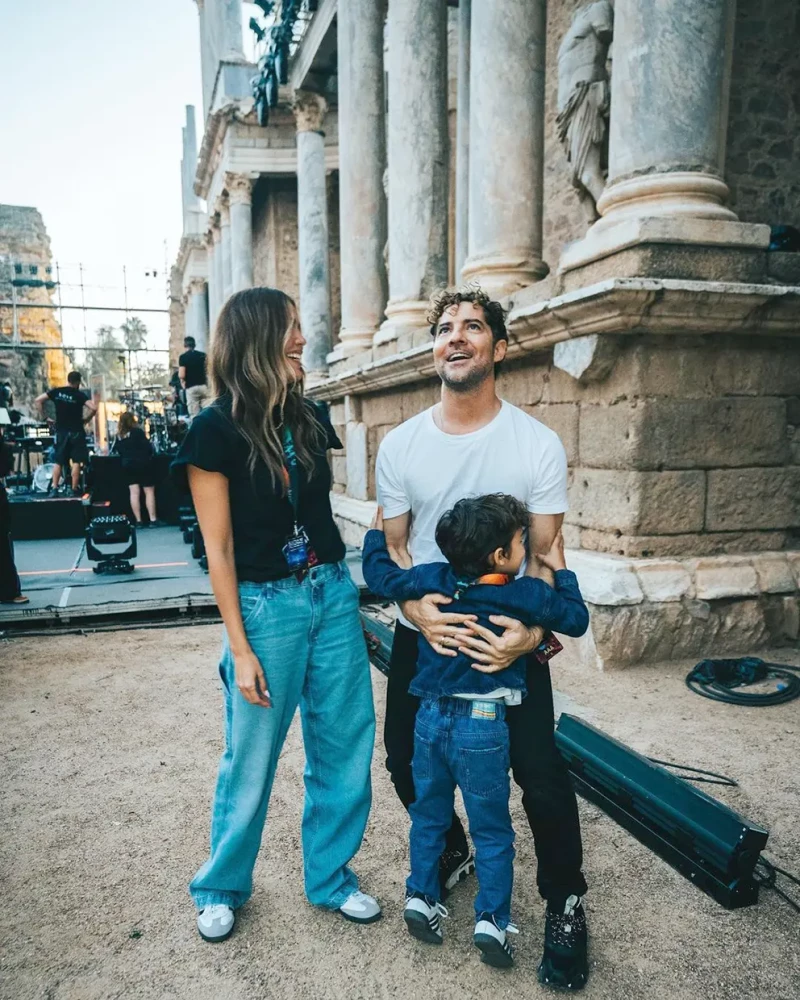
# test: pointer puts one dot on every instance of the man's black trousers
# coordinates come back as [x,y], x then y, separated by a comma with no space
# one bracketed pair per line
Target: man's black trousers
[537,767]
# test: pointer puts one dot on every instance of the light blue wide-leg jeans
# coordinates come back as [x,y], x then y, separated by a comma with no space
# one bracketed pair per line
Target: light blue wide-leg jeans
[308,638]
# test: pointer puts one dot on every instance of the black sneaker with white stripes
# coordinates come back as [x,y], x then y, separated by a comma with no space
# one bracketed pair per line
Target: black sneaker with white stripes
[423,918]
[454,865]
[564,962]
[492,942]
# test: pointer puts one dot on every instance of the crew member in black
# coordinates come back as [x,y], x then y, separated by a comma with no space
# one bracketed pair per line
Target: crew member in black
[192,372]
[73,409]
[138,467]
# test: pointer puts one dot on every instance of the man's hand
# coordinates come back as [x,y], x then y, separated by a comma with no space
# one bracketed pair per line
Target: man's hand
[491,653]
[444,631]
[250,679]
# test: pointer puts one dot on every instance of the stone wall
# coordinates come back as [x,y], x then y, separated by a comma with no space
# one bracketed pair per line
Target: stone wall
[275,254]
[24,242]
[764,124]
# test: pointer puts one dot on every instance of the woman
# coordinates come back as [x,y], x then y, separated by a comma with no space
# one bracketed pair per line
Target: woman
[138,467]
[10,590]
[257,468]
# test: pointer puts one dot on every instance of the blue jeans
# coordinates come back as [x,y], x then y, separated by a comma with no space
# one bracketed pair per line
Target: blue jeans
[308,638]
[464,743]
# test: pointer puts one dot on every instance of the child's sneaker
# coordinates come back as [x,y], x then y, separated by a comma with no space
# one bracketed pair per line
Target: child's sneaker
[564,960]
[422,916]
[215,922]
[492,942]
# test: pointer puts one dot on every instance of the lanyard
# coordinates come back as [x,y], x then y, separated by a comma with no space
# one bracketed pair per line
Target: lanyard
[291,476]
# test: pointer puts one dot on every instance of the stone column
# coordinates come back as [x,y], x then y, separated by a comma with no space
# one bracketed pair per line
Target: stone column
[669,110]
[312,226]
[418,160]
[213,308]
[240,199]
[506,151]
[197,313]
[462,136]
[362,157]
[219,280]
[225,240]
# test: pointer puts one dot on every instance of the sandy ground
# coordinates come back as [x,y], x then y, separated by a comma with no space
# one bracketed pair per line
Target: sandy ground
[110,745]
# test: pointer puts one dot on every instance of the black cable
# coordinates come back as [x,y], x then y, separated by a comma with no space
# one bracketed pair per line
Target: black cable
[766,874]
[710,780]
[722,680]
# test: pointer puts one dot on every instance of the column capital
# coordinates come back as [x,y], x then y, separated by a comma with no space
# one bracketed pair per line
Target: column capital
[309,110]
[223,210]
[196,286]
[239,188]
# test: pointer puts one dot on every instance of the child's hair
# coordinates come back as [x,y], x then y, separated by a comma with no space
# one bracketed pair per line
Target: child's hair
[470,532]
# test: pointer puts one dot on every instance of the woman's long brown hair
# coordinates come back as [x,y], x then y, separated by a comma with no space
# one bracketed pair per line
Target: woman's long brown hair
[248,364]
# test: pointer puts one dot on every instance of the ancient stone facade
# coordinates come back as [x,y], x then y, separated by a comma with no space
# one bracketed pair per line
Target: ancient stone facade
[25,273]
[660,341]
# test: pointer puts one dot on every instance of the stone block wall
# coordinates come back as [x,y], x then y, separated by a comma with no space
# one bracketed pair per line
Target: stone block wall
[275,253]
[689,447]
[764,122]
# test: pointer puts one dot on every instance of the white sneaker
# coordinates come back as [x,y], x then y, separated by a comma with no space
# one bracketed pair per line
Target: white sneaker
[361,908]
[422,918]
[492,942]
[215,923]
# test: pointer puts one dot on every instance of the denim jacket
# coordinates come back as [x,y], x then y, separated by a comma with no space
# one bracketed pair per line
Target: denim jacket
[529,600]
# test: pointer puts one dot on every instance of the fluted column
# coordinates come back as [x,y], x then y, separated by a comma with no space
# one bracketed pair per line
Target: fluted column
[240,197]
[506,150]
[225,241]
[669,110]
[312,226]
[362,157]
[462,136]
[196,304]
[219,280]
[208,240]
[418,159]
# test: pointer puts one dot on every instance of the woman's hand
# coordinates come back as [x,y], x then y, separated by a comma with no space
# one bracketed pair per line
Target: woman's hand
[250,678]
[442,630]
[491,653]
[377,521]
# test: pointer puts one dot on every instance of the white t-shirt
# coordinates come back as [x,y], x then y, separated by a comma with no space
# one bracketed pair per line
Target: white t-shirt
[423,470]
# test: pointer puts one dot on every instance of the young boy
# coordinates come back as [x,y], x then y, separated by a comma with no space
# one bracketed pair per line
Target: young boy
[461,737]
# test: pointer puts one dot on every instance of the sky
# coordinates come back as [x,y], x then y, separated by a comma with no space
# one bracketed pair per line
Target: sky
[93,102]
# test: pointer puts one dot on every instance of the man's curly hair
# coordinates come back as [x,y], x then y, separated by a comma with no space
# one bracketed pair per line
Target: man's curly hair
[448,297]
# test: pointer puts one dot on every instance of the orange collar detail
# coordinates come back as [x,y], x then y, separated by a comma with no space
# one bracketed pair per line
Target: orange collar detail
[497,579]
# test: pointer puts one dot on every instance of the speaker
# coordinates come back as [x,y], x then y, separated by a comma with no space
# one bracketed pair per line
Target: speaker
[713,846]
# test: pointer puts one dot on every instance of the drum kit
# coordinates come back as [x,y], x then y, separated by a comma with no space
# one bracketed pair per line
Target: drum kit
[154,413]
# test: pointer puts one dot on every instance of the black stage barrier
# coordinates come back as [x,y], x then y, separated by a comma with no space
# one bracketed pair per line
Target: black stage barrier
[48,517]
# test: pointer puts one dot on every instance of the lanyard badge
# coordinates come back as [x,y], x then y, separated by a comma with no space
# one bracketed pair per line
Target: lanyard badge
[296,551]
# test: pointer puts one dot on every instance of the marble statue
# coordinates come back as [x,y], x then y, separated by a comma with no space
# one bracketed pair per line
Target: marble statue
[583,97]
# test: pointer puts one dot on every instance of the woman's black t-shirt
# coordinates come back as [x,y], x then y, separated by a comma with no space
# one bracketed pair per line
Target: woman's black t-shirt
[135,449]
[262,518]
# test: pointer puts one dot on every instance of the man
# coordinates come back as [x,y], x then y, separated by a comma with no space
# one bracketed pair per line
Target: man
[473,443]
[192,373]
[74,409]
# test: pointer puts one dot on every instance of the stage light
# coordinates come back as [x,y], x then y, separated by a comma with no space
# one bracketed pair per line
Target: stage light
[111,530]
[710,844]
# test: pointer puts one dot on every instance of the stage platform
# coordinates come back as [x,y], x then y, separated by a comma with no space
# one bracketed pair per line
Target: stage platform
[63,588]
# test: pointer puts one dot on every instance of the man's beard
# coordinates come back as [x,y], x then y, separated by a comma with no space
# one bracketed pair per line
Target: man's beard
[477,376]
